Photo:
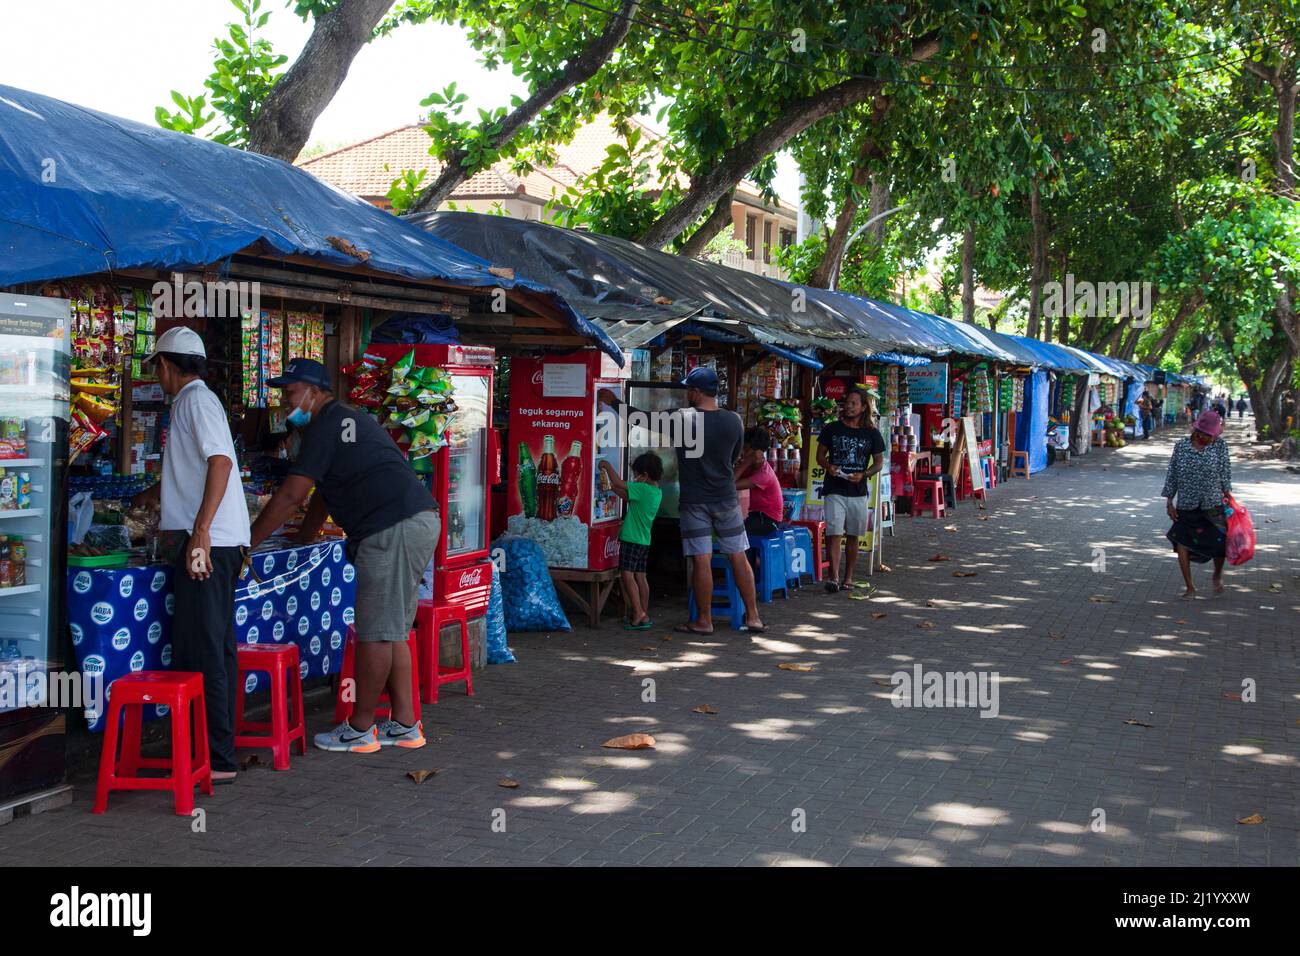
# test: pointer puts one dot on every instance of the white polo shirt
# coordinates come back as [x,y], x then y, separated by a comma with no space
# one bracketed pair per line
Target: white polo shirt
[198,431]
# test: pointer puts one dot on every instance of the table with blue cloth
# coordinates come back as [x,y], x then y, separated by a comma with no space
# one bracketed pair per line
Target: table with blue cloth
[121,618]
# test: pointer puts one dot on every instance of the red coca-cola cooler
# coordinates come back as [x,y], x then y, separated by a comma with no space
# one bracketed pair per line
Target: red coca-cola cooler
[560,430]
[461,474]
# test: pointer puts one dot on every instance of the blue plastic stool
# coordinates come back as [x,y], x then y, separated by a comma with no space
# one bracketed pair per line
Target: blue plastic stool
[770,565]
[792,558]
[725,602]
[801,562]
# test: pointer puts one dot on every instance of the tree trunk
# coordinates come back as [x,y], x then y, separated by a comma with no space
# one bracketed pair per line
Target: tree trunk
[746,154]
[717,221]
[1110,340]
[576,72]
[968,275]
[1036,265]
[284,123]
[1186,309]
[1063,322]
[828,269]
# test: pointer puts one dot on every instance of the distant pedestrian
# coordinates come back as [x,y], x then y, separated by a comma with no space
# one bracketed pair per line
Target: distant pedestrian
[1241,407]
[1200,474]
[850,451]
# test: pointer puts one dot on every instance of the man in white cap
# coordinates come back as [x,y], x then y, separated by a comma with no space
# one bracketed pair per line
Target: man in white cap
[202,497]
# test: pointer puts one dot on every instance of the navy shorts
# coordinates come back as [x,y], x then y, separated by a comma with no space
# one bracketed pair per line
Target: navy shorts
[633,557]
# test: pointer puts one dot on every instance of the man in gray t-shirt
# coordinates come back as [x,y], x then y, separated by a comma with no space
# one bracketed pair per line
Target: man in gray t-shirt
[708,505]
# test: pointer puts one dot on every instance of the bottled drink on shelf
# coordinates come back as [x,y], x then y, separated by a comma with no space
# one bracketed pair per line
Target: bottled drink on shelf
[527,481]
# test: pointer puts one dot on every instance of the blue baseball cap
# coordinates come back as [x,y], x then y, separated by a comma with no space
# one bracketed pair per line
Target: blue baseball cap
[702,378]
[307,371]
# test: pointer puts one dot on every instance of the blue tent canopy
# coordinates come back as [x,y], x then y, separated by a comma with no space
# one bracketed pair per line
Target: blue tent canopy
[82,192]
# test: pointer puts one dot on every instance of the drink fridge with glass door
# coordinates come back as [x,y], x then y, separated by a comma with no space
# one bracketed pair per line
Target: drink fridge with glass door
[561,428]
[34,411]
[458,473]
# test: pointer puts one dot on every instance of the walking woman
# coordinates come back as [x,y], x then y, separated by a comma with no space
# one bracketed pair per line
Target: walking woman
[1200,474]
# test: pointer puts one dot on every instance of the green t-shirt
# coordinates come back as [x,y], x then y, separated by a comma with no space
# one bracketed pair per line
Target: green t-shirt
[642,506]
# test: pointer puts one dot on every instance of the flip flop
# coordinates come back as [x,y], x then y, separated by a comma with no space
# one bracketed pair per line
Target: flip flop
[643,626]
[687,629]
[749,628]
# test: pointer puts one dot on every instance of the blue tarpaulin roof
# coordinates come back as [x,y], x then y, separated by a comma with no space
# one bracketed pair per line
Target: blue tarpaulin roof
[82,192]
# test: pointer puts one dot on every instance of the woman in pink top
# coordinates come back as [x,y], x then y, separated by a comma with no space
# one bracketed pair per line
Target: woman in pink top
[766,506]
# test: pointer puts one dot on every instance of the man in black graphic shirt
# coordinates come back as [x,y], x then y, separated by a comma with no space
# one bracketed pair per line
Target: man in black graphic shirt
[850,451]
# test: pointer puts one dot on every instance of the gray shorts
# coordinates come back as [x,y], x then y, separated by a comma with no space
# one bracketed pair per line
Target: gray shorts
[845,515]
[701,522]
[389,566]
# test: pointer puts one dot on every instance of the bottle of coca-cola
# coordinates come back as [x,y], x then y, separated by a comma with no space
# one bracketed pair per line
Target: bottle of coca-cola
[548,480]
[570,481]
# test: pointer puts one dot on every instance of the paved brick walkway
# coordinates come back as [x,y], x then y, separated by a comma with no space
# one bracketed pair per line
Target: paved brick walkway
[820,767]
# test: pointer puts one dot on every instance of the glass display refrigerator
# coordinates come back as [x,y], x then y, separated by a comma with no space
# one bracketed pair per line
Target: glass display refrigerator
[458,473]
[657,399]
[34,414]
[562,425]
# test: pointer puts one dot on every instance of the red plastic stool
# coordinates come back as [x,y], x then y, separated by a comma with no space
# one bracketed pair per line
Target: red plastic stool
[430,619]
[966,488]
[347,676]
[280,663]
[927,494]
[821,563]
[189,764]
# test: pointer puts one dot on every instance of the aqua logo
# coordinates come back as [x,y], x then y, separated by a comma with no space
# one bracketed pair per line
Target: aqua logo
[162,710]
[254,589]
[336,639]
[155,632]
[165,655]
[302,669]
[93,664]
[141,609]
[277,632]
[267,565]
[303,627]
[121,639]
[81,583]
[250,683]
[252,636]
[137,661]
[304,582]
[169,604]
[349,572]
[101,612]
[158,582]
[315,601]
[77,633]
[338,552]
[293,560]
[280,586]
[241,615]
[349,615]
[325,577]
[336,596]
[325,664]
[291,606]
[267,610]
[125,586]
[325,621]
[314,646]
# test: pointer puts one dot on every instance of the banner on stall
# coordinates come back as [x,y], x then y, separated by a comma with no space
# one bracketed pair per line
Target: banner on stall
[928,384]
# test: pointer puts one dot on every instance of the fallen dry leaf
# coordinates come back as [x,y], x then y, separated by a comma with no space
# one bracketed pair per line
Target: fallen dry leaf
[1232,697]
[1055,635]
[964,574]
[504,272]
[926,624]
[877,615]
[884,567]
[630,742]
[666,637]
[884,683]
[704,709]
[1099,599]
[648,647]
[984,517]
[941,557]
[1251,820]
[1068,660]
[1136,723]
[419,776]
[950,527]
[801,668]
[347,248]
[508,783]
[1275,587]
[1180,621]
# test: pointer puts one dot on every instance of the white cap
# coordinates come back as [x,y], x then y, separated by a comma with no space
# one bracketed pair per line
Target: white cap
[180,340]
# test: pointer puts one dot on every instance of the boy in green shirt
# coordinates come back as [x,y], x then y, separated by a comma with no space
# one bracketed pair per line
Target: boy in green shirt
[642,495]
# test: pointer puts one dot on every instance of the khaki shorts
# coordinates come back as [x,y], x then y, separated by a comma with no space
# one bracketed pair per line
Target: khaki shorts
[389,566]
[845,515]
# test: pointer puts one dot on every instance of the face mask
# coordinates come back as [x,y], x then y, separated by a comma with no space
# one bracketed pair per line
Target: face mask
[299,417]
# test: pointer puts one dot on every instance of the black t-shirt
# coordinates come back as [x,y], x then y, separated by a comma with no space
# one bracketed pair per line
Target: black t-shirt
[849,450]
[360,472]
[706,471]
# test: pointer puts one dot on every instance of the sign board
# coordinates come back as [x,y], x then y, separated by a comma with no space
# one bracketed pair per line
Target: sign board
[564,380]
[928,384]
[972,453]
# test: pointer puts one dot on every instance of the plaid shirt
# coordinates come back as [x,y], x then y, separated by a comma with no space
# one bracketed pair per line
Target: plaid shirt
[1199,478]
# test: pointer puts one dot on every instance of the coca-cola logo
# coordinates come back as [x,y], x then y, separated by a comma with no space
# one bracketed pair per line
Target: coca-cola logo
[553,478]
[537,377]
[471,578]
[611,547]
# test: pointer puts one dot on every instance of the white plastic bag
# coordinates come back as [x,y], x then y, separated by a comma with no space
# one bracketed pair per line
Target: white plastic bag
[81,515]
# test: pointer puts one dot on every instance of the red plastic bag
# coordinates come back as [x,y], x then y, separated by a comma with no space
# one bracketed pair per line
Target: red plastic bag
[1241,532]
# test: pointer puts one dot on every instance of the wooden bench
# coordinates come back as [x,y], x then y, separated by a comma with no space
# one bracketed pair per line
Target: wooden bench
[599,586]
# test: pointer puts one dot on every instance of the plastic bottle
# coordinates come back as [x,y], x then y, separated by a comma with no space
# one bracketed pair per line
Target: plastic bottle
[570,481]
[527,481]
[18,561]
[6,564]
